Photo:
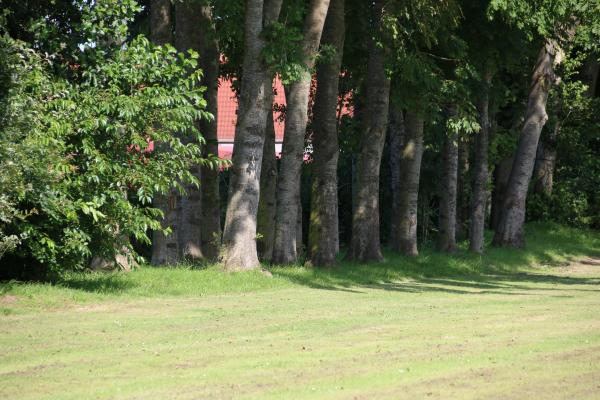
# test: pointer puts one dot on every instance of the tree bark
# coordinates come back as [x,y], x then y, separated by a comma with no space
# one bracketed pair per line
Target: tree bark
[165,249]
[187,20]
[501,176]
[288,183]
[510,228]
[268,194]
[396,141]
[447,234]
[323,229]
[480,170]
[410,171]
[160,22]
[462,183]
[239,234]
[365,245]
[590,74]
[211,201]
[545,162]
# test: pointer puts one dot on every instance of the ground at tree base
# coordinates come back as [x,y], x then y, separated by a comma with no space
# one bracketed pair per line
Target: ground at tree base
[527,332]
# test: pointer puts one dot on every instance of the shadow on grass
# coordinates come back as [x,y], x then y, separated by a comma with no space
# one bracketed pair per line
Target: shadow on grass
[499,271]
[100,283]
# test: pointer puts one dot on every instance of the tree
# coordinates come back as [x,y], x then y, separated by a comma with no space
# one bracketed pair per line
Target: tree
[480,170]
[80,131]
[410,170]
[187,19]
[209,185]
[447,236]
[165,247]
[285,250]
[323,234]
[239,234]
[365,244]
[267,206]
[557,23]
[510,227]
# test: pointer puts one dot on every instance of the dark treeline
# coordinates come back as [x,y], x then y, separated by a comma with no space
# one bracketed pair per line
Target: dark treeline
[406,123]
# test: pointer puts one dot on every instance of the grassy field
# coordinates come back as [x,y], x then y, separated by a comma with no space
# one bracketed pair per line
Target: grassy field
[511,324]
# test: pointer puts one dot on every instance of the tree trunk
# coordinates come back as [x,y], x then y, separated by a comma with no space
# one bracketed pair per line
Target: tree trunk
[211,201]
[160,22]
[447,235]
[268,194]
[239,234]
[165,249]
[545,162]
[501,176]
[323,230]
[462,195]
[480,173]
[187,21]
[510,228]
[396,142]
[288,183]
[410,171]
[365,245]
[590,75]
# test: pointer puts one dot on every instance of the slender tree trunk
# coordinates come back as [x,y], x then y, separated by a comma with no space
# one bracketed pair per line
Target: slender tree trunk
[501,176]
[462,195]
[165,249]
[545,162]
[590,75]
[480,173]
[365,245]
[239,234]
[187,21]
[268,193]
[410,171]
[288,183]
[396,135]
[211,208]
[510,228]
[323,230]
[447,235]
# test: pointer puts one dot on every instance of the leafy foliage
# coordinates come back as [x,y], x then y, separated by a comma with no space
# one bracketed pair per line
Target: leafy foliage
[82,157]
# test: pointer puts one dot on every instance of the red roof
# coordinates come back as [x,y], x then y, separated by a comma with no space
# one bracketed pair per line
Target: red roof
[227,115]
[227,111]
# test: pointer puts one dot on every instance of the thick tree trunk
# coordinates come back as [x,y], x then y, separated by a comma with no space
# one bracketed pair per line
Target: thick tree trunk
[480,173]
[209,185]
[239,234]
[165,249]
[187,20]
[410,171]
[463,189]
[161,29]
[288,183]
[268,194]
[365,245]
[501,176]
[447,234]
[323,230]
[396,142]
[510,228]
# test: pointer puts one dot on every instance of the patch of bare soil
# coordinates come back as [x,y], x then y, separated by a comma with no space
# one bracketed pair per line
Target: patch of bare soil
[8,299]
[589,266]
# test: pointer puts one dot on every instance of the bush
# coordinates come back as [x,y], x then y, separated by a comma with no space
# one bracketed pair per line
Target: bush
[83,154]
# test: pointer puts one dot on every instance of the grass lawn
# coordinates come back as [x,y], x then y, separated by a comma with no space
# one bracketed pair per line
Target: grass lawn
[511,324]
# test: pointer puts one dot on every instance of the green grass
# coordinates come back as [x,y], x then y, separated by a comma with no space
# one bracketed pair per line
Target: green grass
[510,324]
